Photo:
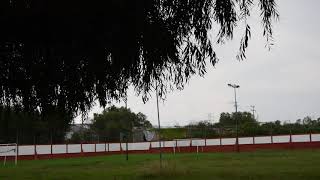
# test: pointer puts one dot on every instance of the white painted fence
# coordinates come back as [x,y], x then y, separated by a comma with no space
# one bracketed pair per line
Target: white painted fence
[114,147]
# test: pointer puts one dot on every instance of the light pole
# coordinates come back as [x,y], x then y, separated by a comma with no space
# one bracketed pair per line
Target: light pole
[127,131]
[253,110]
[234,86]
[159,126]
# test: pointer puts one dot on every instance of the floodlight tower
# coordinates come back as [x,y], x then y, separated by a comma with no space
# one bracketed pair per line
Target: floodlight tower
[234,86]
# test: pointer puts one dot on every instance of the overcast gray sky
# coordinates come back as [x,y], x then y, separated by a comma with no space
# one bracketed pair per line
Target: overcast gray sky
[282,83]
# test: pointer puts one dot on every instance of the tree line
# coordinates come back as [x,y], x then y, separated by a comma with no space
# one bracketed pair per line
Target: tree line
[34,128]
[249,126]
[28,128]
[114,124]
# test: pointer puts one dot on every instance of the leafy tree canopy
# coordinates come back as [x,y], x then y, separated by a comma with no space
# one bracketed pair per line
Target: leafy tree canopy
[227,119]
[114,121]
[67,54]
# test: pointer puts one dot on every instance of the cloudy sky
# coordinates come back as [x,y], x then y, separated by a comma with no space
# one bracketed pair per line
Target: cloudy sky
[282,83]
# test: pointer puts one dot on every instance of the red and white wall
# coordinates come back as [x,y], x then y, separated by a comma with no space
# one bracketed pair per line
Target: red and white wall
[207,145]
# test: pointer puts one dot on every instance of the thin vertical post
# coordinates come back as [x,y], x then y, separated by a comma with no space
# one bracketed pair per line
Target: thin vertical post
[205,136]
[271,134]
[51,143]
[105,145]
[35,147]
[253,134]
[16,158]
[236,106]
[127,153]
[17,146]
[310,134]
[159,126]
[5,158]
[290,136]
[310,137]
[108,143]
[220,135]
[176,148]
[290,132]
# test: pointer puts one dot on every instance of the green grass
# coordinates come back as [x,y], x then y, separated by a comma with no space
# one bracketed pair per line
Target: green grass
[261,165]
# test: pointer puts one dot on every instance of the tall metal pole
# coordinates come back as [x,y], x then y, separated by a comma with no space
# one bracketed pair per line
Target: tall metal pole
[127,133]
[234,86]
[236,114]
[159,126]
[127,152]
[253,110]
[235,99]
[126,101]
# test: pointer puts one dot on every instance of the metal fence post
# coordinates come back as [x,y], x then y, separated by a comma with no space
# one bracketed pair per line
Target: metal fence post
[17,145]
[35,147]
[310,134]
[271,134]
[220,135]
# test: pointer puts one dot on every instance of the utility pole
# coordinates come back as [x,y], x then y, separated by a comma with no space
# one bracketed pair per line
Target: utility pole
[159,126]
[210,117]
[253,110]
[234,86]
[127,133]
[126,101]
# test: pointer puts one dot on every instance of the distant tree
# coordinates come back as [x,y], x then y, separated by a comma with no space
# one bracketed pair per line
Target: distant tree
[29,127]
[114,121]
[227,119]
[201,129]
[307,120]
[298,121]
[245,117]
[84,135]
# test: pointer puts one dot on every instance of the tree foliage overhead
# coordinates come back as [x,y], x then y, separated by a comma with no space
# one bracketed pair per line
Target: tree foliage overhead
[67,54]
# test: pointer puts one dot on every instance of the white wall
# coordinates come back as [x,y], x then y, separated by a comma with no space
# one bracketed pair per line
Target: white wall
[281,139]
[113,147]
[43,149]
[262,140]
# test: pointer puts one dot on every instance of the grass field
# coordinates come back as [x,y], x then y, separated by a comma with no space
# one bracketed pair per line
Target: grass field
[262,165]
